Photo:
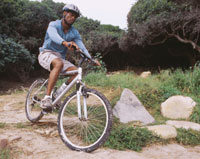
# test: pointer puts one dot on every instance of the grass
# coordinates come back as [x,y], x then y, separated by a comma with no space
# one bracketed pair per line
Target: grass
[5,153]
[2,125]
[124,137]
[188,137]
[154,90]
[151,91]
[21,125]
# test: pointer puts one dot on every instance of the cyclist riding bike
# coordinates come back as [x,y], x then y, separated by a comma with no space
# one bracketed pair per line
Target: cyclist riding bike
[60,37]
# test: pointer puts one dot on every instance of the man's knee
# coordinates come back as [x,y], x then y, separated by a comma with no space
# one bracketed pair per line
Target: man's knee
[72,68]
[57,63]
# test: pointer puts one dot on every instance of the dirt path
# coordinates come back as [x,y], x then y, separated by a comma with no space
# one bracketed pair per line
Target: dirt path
[41,141]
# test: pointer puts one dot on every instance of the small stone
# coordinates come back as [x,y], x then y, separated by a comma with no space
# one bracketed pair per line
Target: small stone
[54,134]
[164,131]
[3,143]
[184,124]
[16,138]
[145,74]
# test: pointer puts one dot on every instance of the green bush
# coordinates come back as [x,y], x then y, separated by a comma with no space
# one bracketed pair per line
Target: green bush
[167,91]
[188,137]
[181,80]
[187,81]
[195,78]
[195,117]
[101,68]
[146,8]
[14,58]
[123,137]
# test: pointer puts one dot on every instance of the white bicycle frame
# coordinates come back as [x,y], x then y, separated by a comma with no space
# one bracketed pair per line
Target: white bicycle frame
[76,80]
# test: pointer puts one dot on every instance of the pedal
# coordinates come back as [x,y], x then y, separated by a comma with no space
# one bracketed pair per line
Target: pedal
[47,110]
[44,113]
[58,105]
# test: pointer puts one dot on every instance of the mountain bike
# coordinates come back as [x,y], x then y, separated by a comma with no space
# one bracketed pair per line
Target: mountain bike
[85,116]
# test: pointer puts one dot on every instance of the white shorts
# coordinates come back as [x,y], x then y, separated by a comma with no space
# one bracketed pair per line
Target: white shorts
[46,57]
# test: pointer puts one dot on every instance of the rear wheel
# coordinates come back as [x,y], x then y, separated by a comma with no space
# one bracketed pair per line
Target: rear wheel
[85,134]
[36,93]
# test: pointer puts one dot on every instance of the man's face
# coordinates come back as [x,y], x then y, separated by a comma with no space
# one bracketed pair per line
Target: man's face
[70,17]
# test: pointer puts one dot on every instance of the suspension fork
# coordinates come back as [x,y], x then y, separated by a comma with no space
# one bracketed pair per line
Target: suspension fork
[84,103]
[80,92]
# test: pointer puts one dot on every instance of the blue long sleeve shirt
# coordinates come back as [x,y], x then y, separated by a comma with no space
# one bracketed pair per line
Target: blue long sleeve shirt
[55,35]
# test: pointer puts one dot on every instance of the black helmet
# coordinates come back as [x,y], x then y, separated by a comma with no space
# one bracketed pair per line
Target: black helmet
[72,7]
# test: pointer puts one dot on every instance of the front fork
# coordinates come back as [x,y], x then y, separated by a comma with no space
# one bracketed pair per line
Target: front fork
[80,92]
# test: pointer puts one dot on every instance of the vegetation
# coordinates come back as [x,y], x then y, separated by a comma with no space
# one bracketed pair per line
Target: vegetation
[125,137]
[97,37]
[155,89]
[160,34]
[163,30]
[5,154]
[23,27]
[2,125]
[188,137]
[151,91]
[13,54]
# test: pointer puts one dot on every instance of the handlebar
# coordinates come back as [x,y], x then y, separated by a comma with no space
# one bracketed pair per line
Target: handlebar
[83,58]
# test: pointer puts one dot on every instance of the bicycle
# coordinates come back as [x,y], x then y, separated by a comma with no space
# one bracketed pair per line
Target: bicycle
[85,117]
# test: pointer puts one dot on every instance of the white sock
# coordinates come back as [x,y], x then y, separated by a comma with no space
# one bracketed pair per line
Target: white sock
[47,96]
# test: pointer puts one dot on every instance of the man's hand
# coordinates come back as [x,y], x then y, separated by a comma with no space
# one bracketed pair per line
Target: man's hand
[70,45]
[96,62]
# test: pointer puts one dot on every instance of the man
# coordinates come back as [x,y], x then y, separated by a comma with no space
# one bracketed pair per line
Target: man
[60,37]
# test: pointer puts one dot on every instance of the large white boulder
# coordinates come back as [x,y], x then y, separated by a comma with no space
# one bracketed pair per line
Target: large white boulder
[184,124]
[177,107]
[129,108]
[164,131]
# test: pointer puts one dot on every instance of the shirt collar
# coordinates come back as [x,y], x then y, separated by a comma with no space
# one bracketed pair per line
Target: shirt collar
[62,26]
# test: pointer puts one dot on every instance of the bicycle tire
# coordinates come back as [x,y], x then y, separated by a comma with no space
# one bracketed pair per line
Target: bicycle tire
[36,114]
[71,133]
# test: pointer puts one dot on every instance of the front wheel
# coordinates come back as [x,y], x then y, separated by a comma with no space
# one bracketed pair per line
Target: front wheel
[85,134]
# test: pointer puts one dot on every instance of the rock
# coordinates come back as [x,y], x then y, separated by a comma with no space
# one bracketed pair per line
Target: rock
[129,108]
[184,124]
[47,132]
[145,74]
[164,131]
[3,143]
[177,107]
[16,138]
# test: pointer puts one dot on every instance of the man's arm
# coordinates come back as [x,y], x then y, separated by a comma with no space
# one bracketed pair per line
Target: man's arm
[80,44]
[53,34]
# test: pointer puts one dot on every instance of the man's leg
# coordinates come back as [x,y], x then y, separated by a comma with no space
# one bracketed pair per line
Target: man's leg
[57,65]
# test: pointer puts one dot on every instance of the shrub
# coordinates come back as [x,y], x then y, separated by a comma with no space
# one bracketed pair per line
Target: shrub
[101,68]
[14,58]
[188,137]
[123,137]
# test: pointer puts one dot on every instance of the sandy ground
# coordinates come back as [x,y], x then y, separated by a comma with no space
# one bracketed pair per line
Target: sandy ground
[41,141]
